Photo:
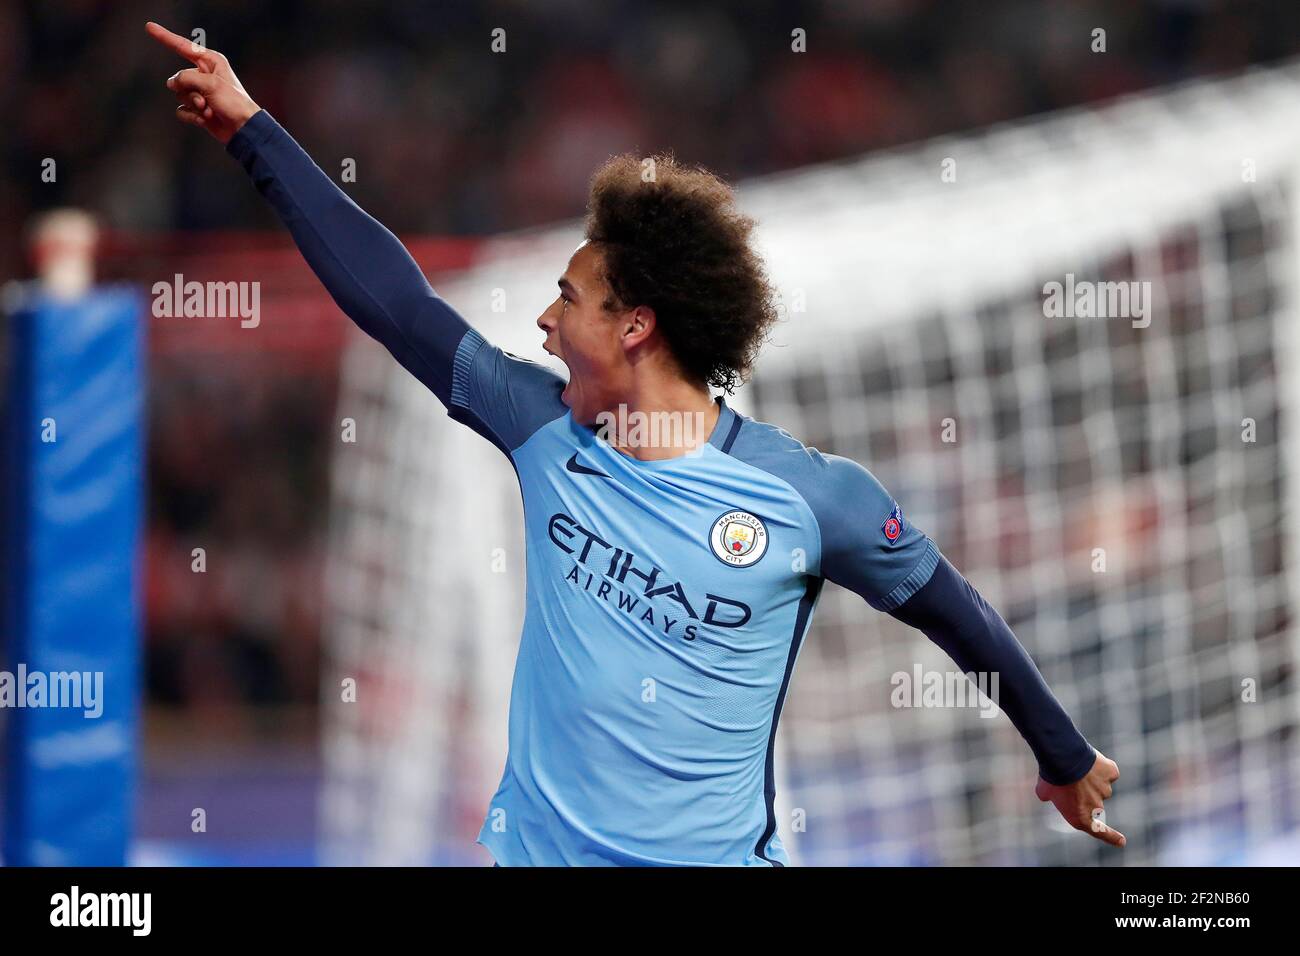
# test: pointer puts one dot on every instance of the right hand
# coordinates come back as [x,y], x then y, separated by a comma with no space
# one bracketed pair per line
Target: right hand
[210,95]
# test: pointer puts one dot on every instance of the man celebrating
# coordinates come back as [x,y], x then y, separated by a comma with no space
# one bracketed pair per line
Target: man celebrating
[665,607]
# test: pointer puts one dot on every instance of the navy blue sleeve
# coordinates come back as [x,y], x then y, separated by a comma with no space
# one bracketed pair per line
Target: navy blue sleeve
[364,267]
[950,612]
[380,287]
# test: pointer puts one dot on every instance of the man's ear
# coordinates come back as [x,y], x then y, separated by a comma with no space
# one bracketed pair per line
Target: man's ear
[638,324]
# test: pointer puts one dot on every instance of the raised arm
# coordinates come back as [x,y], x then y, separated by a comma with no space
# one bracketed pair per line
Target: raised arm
[364,267]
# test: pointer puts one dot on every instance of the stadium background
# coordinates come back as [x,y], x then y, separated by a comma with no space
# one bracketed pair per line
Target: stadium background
[453,144]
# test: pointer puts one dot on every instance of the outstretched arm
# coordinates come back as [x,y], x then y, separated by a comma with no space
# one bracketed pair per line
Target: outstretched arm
[1074,776]
[364,267]
[870,548]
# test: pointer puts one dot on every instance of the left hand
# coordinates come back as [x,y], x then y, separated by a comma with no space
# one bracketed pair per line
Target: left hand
[1077,802]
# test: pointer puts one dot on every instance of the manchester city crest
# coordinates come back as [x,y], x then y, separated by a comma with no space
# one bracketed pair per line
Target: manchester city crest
[738,538]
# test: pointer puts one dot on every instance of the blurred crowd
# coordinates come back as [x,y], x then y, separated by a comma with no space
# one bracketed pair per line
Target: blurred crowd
[449,136]
[237,508]
[469,118]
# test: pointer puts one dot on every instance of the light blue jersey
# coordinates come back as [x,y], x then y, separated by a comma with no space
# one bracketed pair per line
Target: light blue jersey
[667,602]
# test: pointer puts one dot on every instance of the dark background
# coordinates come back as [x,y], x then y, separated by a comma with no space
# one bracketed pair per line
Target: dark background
[450,137]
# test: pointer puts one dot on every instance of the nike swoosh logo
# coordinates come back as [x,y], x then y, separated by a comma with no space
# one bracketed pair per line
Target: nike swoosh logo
[573,466]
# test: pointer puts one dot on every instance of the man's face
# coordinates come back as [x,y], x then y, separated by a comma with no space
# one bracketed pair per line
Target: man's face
[585,336]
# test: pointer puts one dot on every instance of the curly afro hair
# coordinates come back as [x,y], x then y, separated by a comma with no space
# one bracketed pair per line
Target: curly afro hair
[675,242]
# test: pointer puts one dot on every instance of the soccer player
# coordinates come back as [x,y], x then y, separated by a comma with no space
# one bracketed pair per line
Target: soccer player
[666,565]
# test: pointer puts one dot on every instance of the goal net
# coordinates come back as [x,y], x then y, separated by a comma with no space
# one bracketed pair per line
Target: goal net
[1067,347]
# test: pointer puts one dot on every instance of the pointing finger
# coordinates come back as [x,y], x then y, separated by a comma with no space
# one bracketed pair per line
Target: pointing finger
[177,44]
[1109,835]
